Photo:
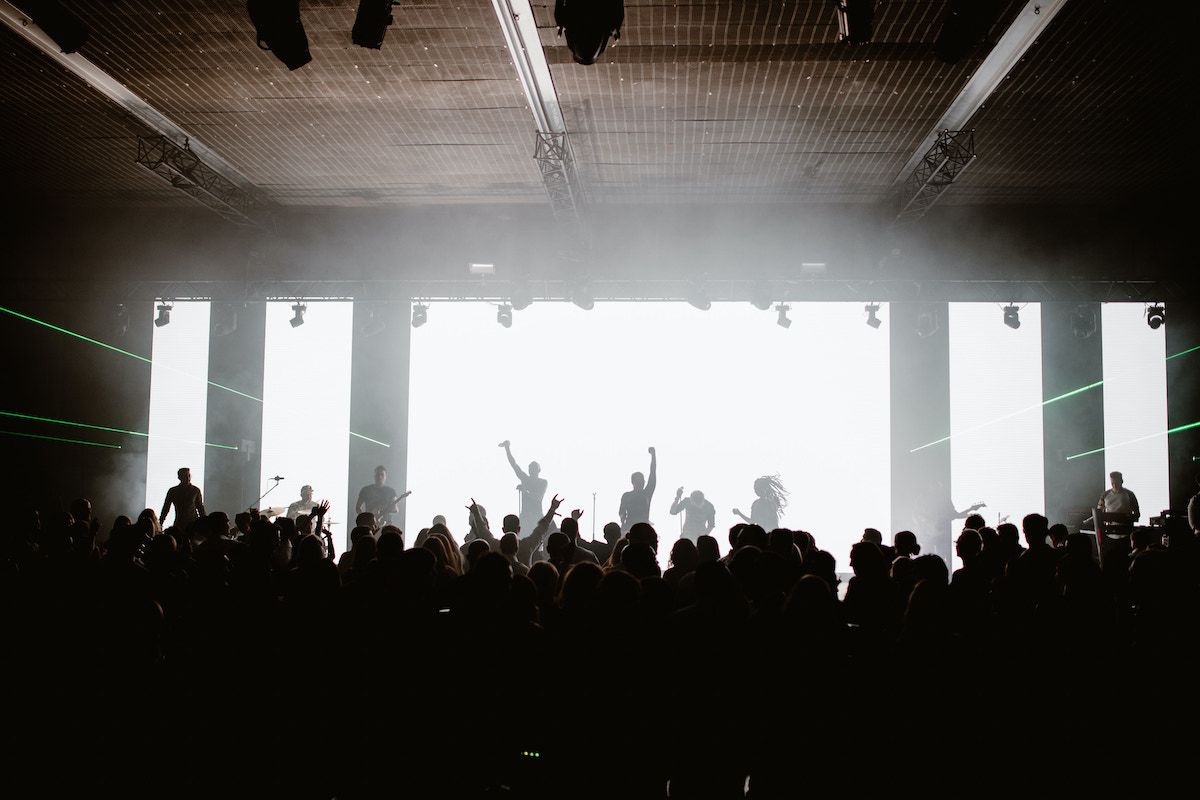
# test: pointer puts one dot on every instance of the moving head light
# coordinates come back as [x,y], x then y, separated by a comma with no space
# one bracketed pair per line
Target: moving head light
[277,27]
[588,24]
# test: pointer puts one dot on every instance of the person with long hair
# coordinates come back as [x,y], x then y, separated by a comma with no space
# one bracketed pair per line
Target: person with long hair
[769,505]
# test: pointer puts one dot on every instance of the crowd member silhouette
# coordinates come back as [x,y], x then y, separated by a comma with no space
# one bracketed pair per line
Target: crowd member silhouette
[699,515]
[245,657]
[531,489]
[770,501]
[635,504]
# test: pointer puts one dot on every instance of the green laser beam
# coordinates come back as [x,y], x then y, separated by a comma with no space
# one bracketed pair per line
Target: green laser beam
[89,426]
[1010,415]
[369,439]
[61,439]
[1184,352]
[115,349]
[1167,432]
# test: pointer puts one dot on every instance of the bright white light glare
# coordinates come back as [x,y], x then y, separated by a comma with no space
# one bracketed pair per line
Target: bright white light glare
[483,269]
[306,406]
[724,396]
[1135,405]
[995,371]
[178,400]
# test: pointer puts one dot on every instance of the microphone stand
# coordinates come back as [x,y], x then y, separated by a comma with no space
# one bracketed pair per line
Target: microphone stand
[258,502]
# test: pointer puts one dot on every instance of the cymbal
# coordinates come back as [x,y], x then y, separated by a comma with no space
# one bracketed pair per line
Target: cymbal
[273,511]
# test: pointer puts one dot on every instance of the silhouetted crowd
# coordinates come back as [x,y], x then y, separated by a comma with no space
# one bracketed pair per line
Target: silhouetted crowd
[246,657]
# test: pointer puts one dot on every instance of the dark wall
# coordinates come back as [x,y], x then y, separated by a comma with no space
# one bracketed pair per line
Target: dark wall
[1183,400]
[52,374]
[235,360]
[1074,424]
[920,413]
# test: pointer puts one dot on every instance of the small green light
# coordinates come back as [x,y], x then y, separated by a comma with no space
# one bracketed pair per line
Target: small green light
[61,439]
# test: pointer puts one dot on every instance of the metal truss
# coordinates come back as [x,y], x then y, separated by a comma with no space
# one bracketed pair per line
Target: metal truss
[556,162]
[184,170]
[941,165]
[814,290]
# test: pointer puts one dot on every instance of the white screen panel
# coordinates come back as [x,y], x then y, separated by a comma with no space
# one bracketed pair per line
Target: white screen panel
[725,395]
[1135,405]
[996,452]
[306,405]
[178,401]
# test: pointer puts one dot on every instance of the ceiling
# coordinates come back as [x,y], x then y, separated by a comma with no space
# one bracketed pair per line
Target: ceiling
[739,101]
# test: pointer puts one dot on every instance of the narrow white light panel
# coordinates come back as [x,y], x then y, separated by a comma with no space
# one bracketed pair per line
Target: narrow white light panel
[725,395]
[306,405]
[178,401]
[996,449]
[1135,405]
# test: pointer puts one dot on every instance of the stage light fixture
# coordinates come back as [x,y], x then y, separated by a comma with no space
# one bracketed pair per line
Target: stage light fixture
[873,319]
[581,295]
[782,320]
[504,315]
[1083,322]
[928,323]
[1156,315]
[588,24]
[1012,316]
[371,322]
[698,298]
[522,296]
[481,269]
[855,20]
[371,23]
[121,319]
[164,314]
[224,319]
[67,30]
[277,27]
[761,296]
[297,315]
[420,315]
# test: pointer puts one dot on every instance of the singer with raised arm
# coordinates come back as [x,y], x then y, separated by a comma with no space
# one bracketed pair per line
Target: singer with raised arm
[379,498]
[699,515]
[635,504]
[532,489]
[186,499]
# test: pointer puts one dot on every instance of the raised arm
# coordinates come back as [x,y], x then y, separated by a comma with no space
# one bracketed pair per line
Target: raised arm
[652,481]
[479,525]
[677,506]
[527,546]
[512,462]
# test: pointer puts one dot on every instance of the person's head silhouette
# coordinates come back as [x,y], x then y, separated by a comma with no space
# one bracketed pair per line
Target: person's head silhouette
[638,480]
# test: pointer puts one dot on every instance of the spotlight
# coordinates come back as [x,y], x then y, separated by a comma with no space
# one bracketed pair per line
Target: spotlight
[581,296]
[873,319]
[481,269]
[1083,322]
[121,319]
[698,298]
[371,323]
[224,319]
[297,315]
[420,315]
[856,20]
[66,29]
[783,320]
[164,314]
[504,315]
[277,27]
[588,24]
[761,297]
[1156,315]
[928,324]
[1012,316]
[371,23]
[522,296]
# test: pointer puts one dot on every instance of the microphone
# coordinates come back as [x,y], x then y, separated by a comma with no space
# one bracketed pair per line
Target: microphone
[277,478]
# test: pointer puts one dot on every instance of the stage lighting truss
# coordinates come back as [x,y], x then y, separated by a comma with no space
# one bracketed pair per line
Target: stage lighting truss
[556,162]
[950,155]
[184,170]
[873,319]
[1156,316]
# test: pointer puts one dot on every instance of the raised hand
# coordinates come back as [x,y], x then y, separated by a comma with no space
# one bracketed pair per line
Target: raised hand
[505,444]
[555,502]
[738,512]
[323,508]
[679,493]
[651,451]
[577,513]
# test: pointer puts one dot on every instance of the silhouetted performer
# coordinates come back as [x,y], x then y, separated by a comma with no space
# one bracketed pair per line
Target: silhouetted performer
[635,504]
[379,498]
[187,500]
[532,488]
[304,505]
[1118,499]
[699,516]
[769,505]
